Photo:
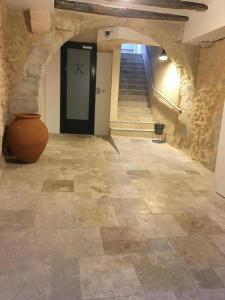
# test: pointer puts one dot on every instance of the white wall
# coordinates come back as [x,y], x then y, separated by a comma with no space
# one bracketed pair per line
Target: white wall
[125,34]
[50,94]
[220,164]
[166,76]
[115,84]
[206,26]
[103,95]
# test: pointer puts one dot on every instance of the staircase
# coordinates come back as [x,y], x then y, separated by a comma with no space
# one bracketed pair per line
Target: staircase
[134,115]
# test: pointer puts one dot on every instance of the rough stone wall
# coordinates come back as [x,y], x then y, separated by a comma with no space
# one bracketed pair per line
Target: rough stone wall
[28,55]
[24,96]
[19,42]
[3,75]
[208,105]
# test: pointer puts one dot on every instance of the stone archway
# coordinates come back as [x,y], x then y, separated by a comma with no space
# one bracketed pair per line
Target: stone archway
[25,97]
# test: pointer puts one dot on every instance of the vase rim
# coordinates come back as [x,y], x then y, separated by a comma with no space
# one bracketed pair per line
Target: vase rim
[27,116]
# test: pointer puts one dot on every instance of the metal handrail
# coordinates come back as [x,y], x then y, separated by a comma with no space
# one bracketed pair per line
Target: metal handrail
[167,100]
[150,79]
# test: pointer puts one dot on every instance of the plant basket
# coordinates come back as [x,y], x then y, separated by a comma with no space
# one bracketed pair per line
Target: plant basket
[159,128]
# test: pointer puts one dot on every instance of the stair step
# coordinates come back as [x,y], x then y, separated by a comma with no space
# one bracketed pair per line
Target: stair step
[133,72]
[133,86]
[132,132]
[131,103]
[133,92]
[131,55]
[132,124]
[133,81]
[132,76]
[133,66]
[132,61]
[126,70]
[136,114]
[124,97]
[134,110]
[134,117]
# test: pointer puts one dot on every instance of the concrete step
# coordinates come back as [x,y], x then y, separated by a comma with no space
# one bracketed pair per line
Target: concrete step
[131,103]
[131,55]
[132,66]
[134,110]
[136,72]
[133,92]
[134,117]
[131,61]
[126,80]
[124,97]
[133,86]
[132,124]
[131,76]
[131,70]
[147,133]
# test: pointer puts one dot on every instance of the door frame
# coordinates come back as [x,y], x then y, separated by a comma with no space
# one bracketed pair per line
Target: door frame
[82,126]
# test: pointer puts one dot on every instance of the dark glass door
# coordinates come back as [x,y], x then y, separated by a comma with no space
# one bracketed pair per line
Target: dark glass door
[78,82]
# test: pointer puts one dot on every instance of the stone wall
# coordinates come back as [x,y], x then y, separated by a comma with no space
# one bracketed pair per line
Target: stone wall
[208,105]
[65,25]
[3,75]
[27,55]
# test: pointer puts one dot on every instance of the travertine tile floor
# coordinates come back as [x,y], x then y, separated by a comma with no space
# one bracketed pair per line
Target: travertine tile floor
[86,222]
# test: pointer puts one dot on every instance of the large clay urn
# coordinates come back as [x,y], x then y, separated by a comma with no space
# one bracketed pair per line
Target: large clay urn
[27,137]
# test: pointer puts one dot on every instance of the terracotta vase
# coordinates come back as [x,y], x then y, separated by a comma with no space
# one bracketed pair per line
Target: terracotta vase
[27,137]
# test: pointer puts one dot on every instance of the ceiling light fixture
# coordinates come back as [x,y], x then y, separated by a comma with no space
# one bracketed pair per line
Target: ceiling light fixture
[163,56]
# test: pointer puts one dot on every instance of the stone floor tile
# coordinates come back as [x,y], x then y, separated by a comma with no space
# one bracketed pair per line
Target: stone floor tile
[160,296]
[124,191]
[207,279]
[55,211]
[157,274]
[177,202]
[71,242]
[192,172]
[88,214]
[65,279]
[108,276]
[201,295]
[157,226]
[221,273]
[25,278]
[198,251]
[133,297]
[140,174]
[127,209]
[197,224]
[53,186]
[47,224]
[122,240]
[19,200]
[219,241]
[16,219]
[161,245]
[217,215]
[131,204]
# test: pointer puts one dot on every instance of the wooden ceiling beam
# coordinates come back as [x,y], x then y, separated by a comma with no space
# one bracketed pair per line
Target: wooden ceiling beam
[116,11]
[174,4]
